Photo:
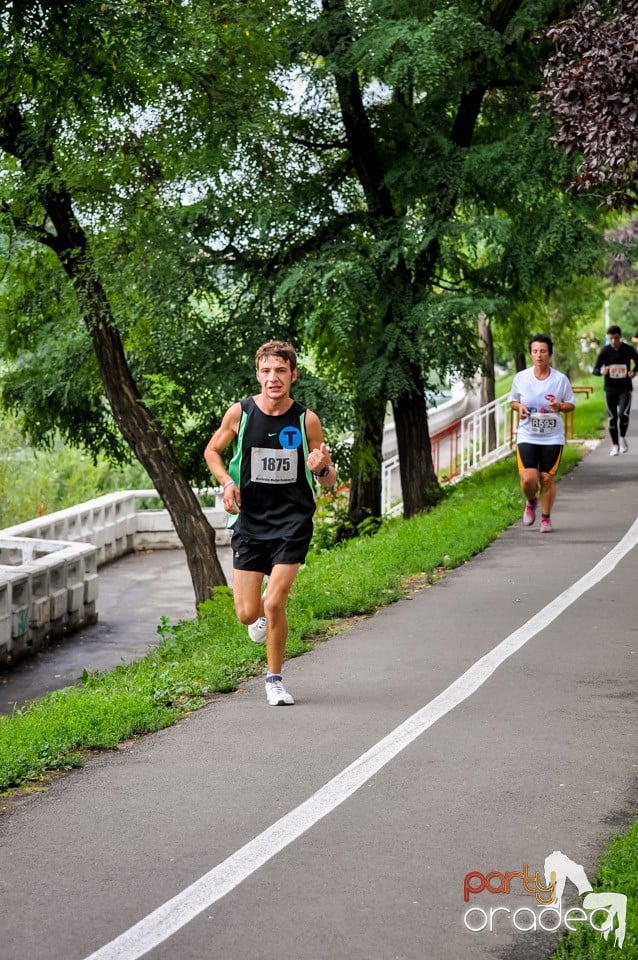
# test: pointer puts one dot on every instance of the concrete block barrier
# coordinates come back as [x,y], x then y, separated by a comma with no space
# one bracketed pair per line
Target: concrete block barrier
[20,610]
[49,566]
[40,615]
[42,586]
[57,597]
[5,621]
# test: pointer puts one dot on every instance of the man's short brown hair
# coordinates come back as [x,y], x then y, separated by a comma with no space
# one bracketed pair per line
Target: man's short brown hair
[277,348]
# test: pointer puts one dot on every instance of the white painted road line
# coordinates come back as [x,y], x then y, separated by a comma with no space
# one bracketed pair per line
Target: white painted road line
[181,909]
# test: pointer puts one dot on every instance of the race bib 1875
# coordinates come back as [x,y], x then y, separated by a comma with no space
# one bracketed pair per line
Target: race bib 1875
[273,466]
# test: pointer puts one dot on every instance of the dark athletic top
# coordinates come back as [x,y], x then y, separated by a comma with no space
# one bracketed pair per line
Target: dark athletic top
[616,379]
[269,465]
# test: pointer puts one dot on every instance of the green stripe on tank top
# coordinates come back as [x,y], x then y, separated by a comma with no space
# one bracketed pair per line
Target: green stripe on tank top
[234,467]
[306,451]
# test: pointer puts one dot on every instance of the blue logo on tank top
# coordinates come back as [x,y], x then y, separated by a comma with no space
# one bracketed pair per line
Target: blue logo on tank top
[290,438]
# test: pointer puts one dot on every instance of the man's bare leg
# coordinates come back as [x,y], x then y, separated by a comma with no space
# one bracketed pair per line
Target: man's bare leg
[247,595]
[280,582]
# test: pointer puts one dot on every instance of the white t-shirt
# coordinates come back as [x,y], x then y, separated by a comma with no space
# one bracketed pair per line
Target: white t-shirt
[543,425]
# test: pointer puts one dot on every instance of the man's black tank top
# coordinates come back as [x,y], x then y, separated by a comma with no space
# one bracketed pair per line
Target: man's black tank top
[269,465]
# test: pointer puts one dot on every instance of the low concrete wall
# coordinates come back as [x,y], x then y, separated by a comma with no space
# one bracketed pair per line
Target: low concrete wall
[49,576]
[47,588]
[154,529]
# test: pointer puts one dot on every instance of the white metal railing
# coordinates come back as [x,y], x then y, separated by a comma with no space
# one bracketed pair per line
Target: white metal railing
[391,505]
[486,435]
[476,440]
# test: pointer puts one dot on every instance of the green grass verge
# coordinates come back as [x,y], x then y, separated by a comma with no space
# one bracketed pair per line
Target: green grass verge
[617,873]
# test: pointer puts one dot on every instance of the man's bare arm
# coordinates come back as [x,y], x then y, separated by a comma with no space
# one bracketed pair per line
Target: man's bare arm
[213,455]
[319,457]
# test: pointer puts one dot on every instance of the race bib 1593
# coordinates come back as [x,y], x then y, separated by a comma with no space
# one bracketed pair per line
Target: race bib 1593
[543,423]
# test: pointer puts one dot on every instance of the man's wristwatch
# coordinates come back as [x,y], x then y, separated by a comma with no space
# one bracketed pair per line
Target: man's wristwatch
[322,473]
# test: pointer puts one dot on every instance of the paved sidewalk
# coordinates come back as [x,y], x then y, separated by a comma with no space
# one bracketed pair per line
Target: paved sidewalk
[541,757]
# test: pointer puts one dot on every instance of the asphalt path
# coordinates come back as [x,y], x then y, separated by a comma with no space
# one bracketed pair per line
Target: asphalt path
[474,727]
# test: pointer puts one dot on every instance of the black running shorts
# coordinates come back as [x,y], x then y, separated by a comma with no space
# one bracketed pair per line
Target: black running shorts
[539,456]
[262,555]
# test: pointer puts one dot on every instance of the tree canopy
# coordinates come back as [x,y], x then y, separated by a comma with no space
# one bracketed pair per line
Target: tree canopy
[183,180]
[407,185]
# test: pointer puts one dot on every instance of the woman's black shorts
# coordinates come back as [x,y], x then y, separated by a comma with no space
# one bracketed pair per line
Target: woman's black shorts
[539,456]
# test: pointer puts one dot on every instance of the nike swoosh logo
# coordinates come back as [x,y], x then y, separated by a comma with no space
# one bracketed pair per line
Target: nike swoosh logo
[272,434]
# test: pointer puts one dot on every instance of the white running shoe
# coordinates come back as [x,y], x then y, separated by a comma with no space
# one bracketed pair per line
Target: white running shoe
[257,631]
[614,450]
[623,445]
[277,695]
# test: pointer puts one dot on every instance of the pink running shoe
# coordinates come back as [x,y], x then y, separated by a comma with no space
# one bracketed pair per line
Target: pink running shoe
[529,514]
[546,525]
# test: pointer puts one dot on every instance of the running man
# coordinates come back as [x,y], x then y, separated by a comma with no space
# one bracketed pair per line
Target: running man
[617,363]
[278,447]
[539,395]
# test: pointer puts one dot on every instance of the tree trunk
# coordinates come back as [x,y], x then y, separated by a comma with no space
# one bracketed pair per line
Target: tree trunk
[145,438]
[419,482]
[365,488]
[488,392]
[410,414]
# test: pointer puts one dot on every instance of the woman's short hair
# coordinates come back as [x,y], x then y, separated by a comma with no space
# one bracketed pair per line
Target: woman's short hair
[542,338]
